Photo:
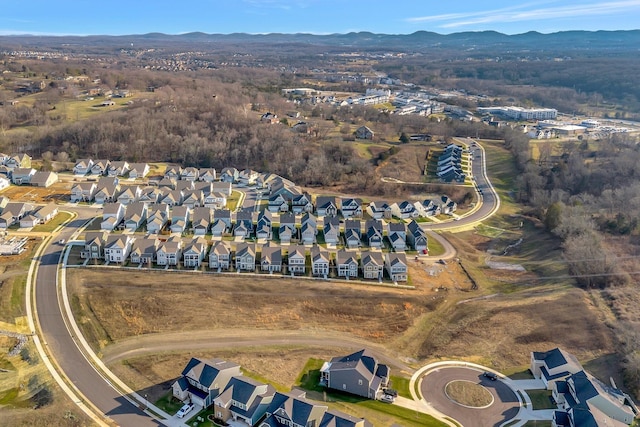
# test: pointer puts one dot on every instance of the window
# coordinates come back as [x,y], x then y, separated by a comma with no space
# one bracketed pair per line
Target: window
[344,386]
[359,382]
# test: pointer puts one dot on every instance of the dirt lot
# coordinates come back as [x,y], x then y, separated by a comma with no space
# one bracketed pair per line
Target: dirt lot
[407,164]
[127,304]
[58,192]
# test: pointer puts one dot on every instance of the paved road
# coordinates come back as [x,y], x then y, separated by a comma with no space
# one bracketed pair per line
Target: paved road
[489,196]
[62,347]
[504,407]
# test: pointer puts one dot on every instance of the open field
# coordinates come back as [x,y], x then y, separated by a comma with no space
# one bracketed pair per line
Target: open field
[408,164]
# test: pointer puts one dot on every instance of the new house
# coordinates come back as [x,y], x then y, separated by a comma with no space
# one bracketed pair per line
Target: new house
[83,192]
[320,261]
[245,257]
[138,170]
[82,166]
[372,265]
[169,252]
[358,373]
[296,259]
[157,218]
[352,233]
[118,168]
[117,248]
[93,245]
[194,252]
[350,207]
[243,399]
[396,266]
[202,381]
[112,216]
[144,251]
[43,179]
[135,216]
[397,235]
[374,233]
[301,203]
[278,203]
[326,206]
[271,258]
[180,216]
[308,229]
[331,230]
[99,167]
[404,210]
[220,256]
[552,365]
[417,237]
[201,220]
[347,263]
[293,410]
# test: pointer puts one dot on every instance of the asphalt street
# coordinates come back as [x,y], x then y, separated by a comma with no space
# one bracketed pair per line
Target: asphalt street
[504,407]
[62,346]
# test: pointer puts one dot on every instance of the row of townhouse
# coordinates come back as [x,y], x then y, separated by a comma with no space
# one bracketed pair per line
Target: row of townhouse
[27,176]
[221,256]
[220,385]
[371,265]
[373,234]
[14,161]
[25,215]
[104,167]
[291,228]
[168,191]
[408,210]
[581,399]
[450,164]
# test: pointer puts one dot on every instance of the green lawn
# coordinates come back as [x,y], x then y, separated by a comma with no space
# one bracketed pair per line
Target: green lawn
[309,378]
[537,423]
[520,375]
[541,399]
[232,201]
[401,385]
[61,218]
[435,247]
[169,404]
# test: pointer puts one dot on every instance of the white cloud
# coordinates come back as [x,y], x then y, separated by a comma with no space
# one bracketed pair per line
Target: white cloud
[524,13]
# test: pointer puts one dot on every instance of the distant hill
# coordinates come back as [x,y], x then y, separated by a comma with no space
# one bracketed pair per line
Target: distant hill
[419,41]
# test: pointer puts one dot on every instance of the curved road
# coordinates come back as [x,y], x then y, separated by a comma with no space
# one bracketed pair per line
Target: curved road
[62,346]
[490,199]
[505,406]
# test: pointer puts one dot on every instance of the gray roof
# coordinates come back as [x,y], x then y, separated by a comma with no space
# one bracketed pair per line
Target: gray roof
[206,371]
[271,254]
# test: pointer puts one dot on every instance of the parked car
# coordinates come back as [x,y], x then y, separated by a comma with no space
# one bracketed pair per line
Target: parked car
[184,410]
[490,375]
[391,392]
[61,242]
[387,398]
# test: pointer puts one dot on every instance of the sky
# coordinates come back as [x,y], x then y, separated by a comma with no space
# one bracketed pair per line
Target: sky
[120,17]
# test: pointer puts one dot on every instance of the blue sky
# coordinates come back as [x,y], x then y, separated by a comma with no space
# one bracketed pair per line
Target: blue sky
[117,17]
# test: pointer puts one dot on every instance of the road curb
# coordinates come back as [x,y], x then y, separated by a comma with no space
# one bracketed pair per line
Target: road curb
[422,372]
